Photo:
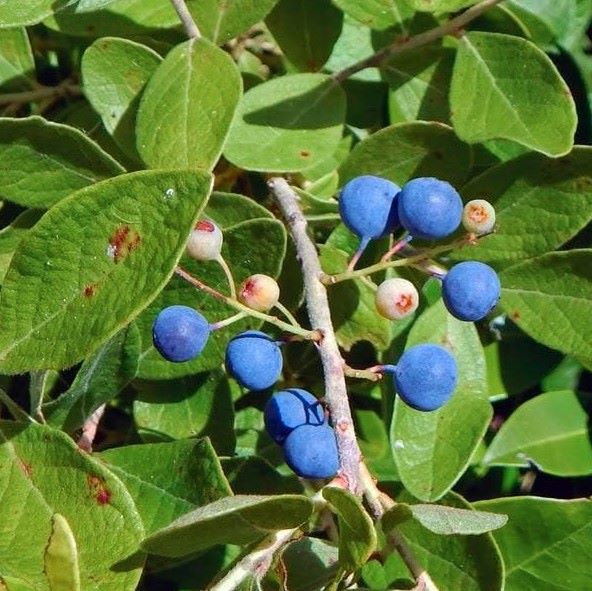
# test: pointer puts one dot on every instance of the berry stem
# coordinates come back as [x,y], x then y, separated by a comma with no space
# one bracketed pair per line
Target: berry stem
[357,255]
[286,313]
[317,304]
[310,335]
[453,26]
[228,321]
[399,245]
[222,262]
[186,18]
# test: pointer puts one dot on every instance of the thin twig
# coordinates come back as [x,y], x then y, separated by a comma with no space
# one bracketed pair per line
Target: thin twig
[317,304]
[311,335]
[448,28]
[256,563]
[65,88]
[186,18]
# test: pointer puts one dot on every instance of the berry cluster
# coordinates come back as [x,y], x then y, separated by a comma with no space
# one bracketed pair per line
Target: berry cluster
[425,376]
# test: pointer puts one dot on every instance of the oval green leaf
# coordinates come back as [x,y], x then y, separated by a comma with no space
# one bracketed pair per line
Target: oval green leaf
[39,464]
[545,543]
[232,520]
[550,299]
[493,95]
[549,431]
[42,162]
[376,14]
[17,65]
[92,263]
[61,557]
[407,150]
[540,203]
[187,107]
[115,72]
[287,124]
[433,449]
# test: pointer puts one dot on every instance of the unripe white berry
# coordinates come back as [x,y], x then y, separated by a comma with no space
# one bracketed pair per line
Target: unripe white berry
[259,292]
[205,241]
[396,298]
[478,216]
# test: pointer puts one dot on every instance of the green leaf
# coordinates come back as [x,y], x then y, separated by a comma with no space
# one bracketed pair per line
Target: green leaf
[407,150]
[287,124]
[115,72]
[470,563]
[444,520]
[310,564]
[419,82]
[493,95]
[120,18]
[563,21]
[220,20]
[92,263]
[439,5]
[433,449]
[233,520]
[376,14]
[243,223]
[197,405]
[540,203]
[45,467]
[187,107]
[357,536]
[549,298]
[550,431]
[352,306]
[306,31]
[100,378]
[27,13]
[42,162]
[61,557]
[166,480]
[546,543]
[11,235]
[17,66]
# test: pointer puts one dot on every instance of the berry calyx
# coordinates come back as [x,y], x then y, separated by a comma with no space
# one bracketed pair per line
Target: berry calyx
[259,292]
[425,377]
[396,298]
[429,208]
[205,241]
[311,451]
[180,333]
[254,360]
[470,290]
[289,409]
[478,217]
[368,206]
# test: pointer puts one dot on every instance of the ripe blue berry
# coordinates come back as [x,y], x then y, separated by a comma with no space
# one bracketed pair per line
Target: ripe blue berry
[254,360]
[289,409]
[311,451]
[368,206]
[470,290]
[180,333]
[429,208]
[425,376]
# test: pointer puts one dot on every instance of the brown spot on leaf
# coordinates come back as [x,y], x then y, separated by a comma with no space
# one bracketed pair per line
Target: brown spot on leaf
[89,290]
[305,153]
[26,468]
[122,242]
[515,315]
[98,489]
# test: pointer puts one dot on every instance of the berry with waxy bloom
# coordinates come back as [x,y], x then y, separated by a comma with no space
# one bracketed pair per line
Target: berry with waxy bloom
[205,241]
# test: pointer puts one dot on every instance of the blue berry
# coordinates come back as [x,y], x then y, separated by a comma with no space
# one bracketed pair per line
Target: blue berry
[429,208]
[180,333]
[470,290]
[254,360]
[289,409]
[311,451]
[368,206]
[425,376]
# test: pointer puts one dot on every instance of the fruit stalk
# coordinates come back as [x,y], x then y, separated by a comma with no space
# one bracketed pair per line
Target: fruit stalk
[317,305]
